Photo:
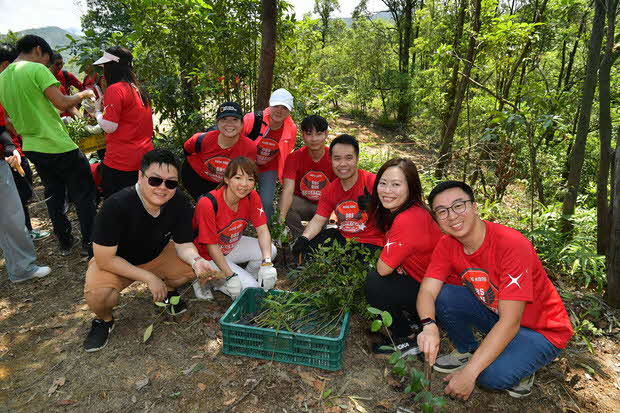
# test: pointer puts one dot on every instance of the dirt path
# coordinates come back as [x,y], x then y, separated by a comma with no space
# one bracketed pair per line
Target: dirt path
[43,367]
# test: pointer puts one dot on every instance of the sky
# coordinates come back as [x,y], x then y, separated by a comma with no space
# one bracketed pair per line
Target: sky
[28,14]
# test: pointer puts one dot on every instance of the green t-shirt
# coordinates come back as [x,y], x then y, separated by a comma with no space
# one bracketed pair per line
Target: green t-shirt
[35,118]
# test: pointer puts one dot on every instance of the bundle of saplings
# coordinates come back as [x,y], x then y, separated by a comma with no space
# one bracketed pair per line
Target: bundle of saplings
[323,289]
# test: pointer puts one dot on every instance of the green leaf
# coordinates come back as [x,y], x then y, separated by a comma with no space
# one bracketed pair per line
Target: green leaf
[160,304]
[147,333]
[394,358]
[327,393]
[386,348]
[376,326]
[175,299]
[387,318]
[175,395]
[373,310]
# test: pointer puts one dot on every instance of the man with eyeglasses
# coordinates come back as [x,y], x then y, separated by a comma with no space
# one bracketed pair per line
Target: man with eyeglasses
[142,233]
[506,295]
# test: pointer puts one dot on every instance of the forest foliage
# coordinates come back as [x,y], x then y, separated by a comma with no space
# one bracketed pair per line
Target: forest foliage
[496,88]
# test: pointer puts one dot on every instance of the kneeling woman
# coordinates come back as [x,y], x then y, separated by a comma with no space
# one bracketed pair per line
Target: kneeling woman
[411,236]
[220,218]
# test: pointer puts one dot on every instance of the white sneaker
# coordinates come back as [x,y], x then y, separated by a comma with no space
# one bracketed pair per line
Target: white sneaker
[202,292]
[39,273]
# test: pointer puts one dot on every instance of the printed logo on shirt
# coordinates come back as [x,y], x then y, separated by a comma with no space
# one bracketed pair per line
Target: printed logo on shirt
[478,282]
[312,185]
[215,167]
[515,280]
[350,218]
[230,235]
[266,150]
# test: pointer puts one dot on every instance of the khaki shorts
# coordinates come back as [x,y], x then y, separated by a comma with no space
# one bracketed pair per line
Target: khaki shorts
[167,266]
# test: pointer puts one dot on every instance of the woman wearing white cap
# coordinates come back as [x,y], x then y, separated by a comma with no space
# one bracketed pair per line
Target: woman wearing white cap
[275,141]
[126,118]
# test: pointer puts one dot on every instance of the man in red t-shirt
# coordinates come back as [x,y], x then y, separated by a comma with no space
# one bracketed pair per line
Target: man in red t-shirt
[506,294]
[66,78]
[348,197]
[307,172]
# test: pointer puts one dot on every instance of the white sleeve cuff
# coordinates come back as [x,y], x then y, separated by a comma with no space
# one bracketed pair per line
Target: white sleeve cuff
[106,125]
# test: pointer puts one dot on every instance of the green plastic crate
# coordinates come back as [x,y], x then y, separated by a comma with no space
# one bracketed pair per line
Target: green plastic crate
[269,344]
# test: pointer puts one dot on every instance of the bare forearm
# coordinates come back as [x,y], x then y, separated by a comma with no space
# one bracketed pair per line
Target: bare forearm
[187,252]
[492,346]
[264,241]
[219,259]
[314,226]
[425,304]
[286,200]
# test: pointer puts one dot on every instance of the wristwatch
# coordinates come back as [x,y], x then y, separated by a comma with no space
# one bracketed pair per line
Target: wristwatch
[426,321]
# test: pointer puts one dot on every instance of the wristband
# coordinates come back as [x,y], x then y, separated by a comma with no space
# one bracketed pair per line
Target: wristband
[234,274]
[267,261]
[427,321]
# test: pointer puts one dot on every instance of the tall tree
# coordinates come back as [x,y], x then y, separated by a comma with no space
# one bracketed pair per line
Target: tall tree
[325,8]
[577,153]
[449,129]
[613,255]
[612,51]
[268,53]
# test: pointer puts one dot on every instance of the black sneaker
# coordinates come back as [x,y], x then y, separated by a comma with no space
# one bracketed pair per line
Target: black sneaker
[86,250]
[65,249]
[175,309]
[405,345]
[98,335]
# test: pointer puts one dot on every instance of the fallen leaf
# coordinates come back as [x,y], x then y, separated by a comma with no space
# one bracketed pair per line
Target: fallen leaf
[202,386]
[58,382]
[358,406]
[333,409]
[392,382]
[65,402]
[230,401]
[147,333]
[134,399]
[142,382]
[307,378]
[386,404]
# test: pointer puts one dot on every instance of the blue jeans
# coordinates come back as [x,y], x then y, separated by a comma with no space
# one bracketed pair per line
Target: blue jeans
[267,190]
[458,310]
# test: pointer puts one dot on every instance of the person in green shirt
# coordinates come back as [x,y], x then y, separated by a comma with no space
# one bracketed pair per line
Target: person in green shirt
[30,95]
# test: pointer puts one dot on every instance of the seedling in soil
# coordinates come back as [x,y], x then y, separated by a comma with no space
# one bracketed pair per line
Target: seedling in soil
[418,383]
[148,332]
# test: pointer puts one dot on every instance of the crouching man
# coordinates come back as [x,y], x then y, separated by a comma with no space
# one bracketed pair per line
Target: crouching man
[142,233]
[506,295]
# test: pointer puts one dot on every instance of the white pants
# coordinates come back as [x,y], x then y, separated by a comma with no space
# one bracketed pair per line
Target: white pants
[246,250]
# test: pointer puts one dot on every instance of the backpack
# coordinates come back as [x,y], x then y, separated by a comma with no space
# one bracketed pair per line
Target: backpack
[67,83]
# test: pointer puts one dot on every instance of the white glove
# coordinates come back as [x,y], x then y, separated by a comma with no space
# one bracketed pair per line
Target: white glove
[232,286]
[94,129]
[267,276]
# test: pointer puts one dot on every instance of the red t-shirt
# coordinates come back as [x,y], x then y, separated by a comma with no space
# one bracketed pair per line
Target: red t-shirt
[68,81]
[211,160]
[410,241]
[17,140]
[91,81]
[506,267]
[134,136]
[226,228]
[352,223]
[310,177]
[268,151]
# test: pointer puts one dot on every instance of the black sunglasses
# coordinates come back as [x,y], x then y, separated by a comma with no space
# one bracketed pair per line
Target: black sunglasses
[155,182]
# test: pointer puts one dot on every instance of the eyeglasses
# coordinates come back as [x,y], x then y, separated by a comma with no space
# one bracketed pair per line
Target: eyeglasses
[155,182]
[459,208]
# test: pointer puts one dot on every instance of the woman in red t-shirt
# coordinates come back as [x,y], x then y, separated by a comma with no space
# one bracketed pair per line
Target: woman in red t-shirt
[220,219]
[207,154]
[125,116]
[410,237]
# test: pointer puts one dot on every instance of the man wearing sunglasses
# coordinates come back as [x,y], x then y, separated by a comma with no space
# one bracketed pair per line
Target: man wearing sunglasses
[142,233]
[506,295]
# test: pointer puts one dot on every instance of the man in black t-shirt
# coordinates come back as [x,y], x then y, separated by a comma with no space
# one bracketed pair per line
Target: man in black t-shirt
[142,233]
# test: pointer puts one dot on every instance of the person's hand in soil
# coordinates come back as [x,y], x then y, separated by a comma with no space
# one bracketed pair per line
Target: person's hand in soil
[158,288]
[460,384]
[428,342]
[205,272]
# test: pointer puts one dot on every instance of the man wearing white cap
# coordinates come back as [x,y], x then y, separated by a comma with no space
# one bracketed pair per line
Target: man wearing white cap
[274,142]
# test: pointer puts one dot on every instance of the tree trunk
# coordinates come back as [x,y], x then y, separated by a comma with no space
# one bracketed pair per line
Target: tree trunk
[267,54]
[589,85]
[602,206]
[445,152]
[403,63]
[613,255]
[571,57]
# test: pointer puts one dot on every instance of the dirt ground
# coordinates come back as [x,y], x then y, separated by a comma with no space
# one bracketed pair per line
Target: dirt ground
[44,369]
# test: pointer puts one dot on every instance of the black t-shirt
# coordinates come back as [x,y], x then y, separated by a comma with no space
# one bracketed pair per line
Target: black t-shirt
[124,222]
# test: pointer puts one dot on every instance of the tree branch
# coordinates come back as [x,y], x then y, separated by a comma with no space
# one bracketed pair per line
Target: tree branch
[486,89]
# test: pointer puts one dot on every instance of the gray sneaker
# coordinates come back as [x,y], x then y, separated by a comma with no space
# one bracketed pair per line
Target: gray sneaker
[523,388]
[451,362]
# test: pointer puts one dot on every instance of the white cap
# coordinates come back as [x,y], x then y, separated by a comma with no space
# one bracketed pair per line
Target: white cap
[281,97]
[106,58]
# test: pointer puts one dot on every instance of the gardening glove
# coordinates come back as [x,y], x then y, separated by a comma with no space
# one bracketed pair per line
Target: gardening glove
[301,245]
[232,286]
[363,201]
[267,276]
